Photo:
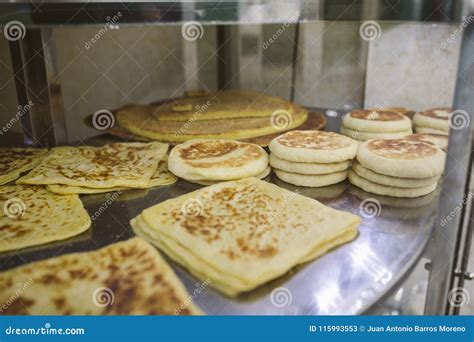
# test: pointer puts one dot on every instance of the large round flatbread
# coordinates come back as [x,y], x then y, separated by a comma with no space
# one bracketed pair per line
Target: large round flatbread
[307,168]
[385,190]
[376,121]
[363,136]
[440,140]
[392,181]
[401,158]
[313,181]
[207,159]
[313,147]
[422,129]
[436,118]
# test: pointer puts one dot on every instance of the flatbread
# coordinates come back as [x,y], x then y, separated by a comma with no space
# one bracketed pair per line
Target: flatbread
[15,160]
[206,159]
[422,129]
[308,168]
[440,140]
[313,147]
[113,165]
[125,278]
[139,120]
[392,181]
[363,136]
[225,104]
[402,158]
[247,231]
[161,177]
[262,175]
[386,190]
[33,216]
[436,118]
[376,121]
[313,181]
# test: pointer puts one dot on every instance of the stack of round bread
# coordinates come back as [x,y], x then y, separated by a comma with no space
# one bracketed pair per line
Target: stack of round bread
[397,167]
[311,158]
[366,124]
[435,120]
[208,161]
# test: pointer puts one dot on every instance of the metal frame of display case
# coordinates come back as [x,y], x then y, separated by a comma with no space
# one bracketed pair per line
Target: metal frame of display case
[36,78]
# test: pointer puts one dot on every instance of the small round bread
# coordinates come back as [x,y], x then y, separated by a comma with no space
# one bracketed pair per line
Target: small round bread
[392,181]
[363,136]
[209,159]
[385,190]
[211,182]
[440,140]
[313,147]
[422,129]
[402,158]
[376,121]
[307,168]
[436,118]
[312,181]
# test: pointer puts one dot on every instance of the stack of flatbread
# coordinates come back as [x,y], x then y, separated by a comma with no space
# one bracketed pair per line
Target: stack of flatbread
[435,120]
[238,235]
[312,158]
[32,216]
[228,114]
[15,160]
[397,167]
[87,169]
[208,161]
[126,278]
[365,124]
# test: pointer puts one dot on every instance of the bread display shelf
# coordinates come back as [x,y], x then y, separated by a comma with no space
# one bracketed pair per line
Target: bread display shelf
[347,280]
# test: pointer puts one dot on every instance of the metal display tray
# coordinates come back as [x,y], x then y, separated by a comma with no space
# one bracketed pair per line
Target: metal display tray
[347,280]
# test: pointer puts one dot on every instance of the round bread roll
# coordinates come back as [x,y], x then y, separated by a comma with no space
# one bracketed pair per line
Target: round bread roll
[307,168]
[436,118]
[363,136]
[211,182]
[313,147]
[209,159]
[422,129]
[392,181]
[313,181]
[440,140]
[376,121]
[386,190]
[402,158]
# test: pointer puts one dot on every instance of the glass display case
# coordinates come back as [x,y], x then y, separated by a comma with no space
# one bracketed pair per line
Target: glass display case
[64,64]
